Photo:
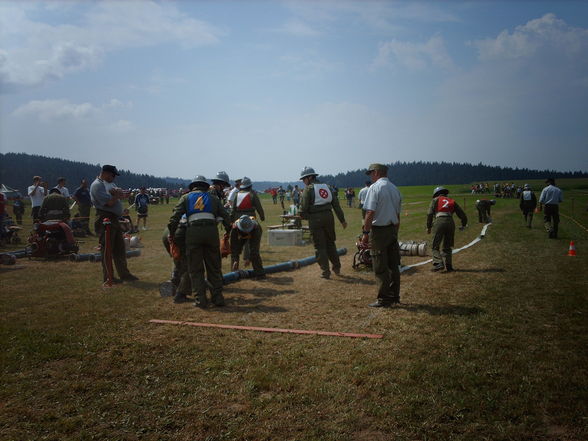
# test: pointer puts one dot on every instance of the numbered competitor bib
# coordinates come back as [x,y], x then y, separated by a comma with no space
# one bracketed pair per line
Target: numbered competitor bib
[199,203]
[322,194]
[445,205]
[527,195]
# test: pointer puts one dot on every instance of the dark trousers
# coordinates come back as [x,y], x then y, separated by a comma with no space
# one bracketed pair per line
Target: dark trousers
[84,219]
[385,254]
[117,243]
[443,232]
[322,228]
[254,241]
[203,251]
[35,213]
[551,219]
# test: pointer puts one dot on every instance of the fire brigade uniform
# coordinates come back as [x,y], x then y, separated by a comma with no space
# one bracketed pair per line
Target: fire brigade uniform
[528,204]
[440,217]
[252,237]
[483,207]
[317,205]
[202,242]
[180,274]
[54,207]
[246,202]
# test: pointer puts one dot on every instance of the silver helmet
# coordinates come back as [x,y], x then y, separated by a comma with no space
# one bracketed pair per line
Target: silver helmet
[440,190]
[307,171]
[245,183]
[245,224]
[199,179]
[223,177]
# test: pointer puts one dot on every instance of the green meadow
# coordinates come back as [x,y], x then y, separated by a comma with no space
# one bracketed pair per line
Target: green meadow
[496,350]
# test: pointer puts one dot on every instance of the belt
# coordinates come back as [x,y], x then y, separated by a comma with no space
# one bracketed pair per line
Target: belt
[200,216]
[443,214]
[202,223]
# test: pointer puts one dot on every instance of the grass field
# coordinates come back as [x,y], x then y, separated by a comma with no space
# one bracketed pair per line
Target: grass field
[494,351]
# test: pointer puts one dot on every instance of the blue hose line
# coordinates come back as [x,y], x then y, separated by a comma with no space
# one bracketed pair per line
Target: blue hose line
[235,276]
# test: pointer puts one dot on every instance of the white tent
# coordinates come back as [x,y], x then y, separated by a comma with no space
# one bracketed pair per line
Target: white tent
[9,193]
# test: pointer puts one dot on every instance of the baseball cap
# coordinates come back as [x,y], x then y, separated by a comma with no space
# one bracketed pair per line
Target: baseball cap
[111,169]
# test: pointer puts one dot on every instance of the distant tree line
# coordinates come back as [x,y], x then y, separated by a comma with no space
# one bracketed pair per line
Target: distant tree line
[17,171]
[445,173]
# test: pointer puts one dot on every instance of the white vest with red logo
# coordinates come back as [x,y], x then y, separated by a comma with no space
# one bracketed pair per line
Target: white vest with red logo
[322,194]
[244,201]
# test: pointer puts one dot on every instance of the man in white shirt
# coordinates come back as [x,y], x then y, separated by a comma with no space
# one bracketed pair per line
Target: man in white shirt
[37,193]
[361,197]
[62,188]
[380,228]
[551,197]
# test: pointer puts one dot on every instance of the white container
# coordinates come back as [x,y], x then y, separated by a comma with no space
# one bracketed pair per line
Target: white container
[285,237]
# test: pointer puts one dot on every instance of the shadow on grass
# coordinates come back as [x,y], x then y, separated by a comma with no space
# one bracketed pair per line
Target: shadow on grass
[245,305]
[144,285]
[487,270]
[441,310]
[259,291]
[353,280]
[11,268]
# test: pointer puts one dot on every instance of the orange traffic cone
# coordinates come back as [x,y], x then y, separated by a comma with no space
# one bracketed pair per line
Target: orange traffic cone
[572,250]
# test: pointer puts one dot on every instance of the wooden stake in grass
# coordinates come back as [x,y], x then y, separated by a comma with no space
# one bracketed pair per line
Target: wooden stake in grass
[255,328]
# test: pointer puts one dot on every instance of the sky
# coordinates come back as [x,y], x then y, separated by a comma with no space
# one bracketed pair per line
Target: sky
[264,88]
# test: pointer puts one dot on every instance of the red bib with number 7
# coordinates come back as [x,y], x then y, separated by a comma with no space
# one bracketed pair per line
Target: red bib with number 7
[445,205]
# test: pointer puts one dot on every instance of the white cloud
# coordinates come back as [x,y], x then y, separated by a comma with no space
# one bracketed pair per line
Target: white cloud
[536,37]
[35,51]
[414,56]
[60,110]
[49,110]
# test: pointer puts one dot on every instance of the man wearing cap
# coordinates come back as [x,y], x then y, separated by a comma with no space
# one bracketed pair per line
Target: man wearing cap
[440,219]
[202,209]
[528,204]
[483,206]
[246,230]
[106,198]
[317,205]
[551,197]
[382,206]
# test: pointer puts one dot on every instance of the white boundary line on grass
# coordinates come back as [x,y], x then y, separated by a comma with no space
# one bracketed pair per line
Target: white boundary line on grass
[473,242]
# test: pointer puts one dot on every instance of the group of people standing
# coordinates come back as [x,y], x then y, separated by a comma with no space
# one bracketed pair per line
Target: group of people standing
[192,236]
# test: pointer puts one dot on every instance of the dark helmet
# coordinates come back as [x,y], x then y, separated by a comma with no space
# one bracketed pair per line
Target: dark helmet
[439,191]
[307,171]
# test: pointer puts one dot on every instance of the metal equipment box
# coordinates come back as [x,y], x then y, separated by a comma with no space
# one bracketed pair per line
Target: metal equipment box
[285,237]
